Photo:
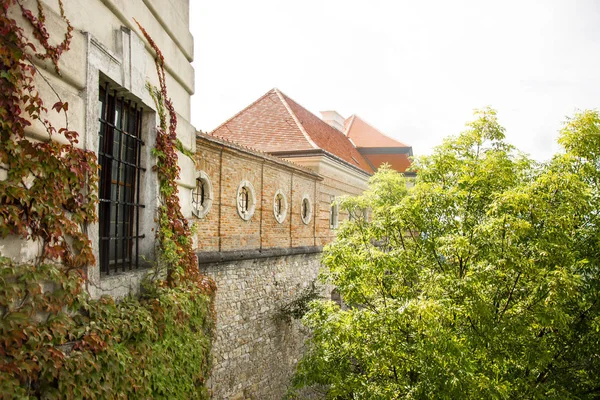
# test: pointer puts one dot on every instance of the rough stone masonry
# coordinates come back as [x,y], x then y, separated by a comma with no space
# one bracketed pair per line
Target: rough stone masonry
[255,353]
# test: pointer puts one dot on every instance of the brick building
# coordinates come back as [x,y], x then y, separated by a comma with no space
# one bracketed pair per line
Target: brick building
[343,153]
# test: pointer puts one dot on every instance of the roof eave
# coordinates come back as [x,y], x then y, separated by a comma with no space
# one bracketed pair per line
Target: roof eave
[313,152]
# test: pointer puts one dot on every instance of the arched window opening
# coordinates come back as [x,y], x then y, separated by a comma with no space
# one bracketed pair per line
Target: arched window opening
[279,206]
[305,210]
[201,195]
[246,200]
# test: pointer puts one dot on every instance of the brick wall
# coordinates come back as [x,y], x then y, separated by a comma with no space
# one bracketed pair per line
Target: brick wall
[227,165]
[222,229]
[336,183]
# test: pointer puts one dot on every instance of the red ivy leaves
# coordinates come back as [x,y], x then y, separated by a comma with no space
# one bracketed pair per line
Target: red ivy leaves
[47,195]
[59,105]
[174,229]
[41,33]
[49,192]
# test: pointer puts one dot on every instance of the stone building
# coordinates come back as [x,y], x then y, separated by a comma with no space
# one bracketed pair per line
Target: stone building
[104,76]
[267,181]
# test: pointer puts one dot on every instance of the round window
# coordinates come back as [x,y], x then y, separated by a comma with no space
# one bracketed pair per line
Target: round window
[246,200]
[280,206]
[202,195]
[306,209]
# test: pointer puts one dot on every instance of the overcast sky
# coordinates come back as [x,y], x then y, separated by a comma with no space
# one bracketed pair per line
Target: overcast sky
[413,69]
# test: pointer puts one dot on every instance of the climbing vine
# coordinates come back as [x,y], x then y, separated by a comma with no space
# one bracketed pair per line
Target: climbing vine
[54,340]
[49,188]
[174,235]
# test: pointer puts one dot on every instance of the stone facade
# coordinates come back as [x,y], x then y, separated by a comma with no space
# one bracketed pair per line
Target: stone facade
[108,48]
[255,352]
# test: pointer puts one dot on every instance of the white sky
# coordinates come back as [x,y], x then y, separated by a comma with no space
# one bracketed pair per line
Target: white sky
[413,69]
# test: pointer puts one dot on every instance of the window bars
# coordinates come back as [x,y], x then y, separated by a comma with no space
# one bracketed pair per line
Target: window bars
[119,155]
[279,204]
[199,195]
[244,200]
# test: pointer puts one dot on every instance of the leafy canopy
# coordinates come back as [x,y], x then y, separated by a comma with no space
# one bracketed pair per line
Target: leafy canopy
[481,281]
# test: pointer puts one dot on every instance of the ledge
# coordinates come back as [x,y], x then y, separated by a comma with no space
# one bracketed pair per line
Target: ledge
[210,257]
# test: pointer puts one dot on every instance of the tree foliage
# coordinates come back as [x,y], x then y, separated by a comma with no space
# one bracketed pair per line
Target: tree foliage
[481,281]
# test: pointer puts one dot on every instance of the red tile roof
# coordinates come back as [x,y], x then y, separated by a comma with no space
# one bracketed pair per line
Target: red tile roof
[364,135]
[377,147]
[265,124]
[275,123]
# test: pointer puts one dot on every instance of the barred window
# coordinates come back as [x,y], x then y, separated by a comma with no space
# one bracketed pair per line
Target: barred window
[202,195]
[119,155]
[246,200]
[305,209]
[243,200]
[280,206]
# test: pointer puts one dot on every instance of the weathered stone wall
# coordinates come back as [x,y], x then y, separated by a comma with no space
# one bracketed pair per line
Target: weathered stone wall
[255,353]
[108,47]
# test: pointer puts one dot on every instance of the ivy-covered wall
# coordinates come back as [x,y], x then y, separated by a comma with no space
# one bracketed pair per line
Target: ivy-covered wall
[55,340]
[57,343]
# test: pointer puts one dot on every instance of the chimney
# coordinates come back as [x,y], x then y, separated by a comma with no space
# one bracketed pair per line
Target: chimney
[332,118]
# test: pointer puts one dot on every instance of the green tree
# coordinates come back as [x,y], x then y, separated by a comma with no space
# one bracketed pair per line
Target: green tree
[481,281]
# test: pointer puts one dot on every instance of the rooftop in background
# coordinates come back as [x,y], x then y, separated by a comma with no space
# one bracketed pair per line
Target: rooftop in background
[376,147]
[363,134]
[277,124]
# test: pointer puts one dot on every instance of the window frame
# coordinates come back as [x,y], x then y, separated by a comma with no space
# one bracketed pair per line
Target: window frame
[282,212]
[201,210]
[246,187]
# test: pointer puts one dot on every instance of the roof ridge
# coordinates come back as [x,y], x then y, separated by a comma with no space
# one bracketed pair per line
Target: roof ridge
[282,97]
[347,130]
[387,136]
[242,110]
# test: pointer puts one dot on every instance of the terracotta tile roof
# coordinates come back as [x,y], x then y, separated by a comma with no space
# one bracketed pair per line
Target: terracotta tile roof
[275,123]
[326,137]
[376,147]
[364,135]
[265,124]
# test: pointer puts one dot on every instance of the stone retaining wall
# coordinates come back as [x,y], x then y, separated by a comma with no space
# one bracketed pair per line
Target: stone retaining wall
[255,353]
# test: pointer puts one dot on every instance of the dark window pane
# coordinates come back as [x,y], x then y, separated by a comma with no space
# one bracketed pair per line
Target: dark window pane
[118,186]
